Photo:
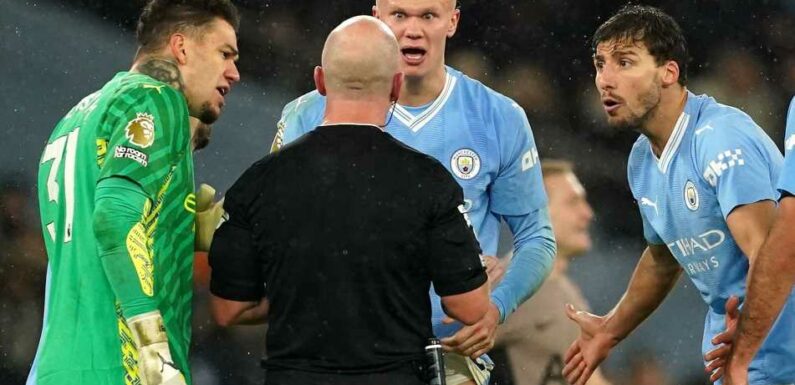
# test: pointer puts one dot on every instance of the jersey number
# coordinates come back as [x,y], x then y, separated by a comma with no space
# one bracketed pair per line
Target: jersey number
[62,149]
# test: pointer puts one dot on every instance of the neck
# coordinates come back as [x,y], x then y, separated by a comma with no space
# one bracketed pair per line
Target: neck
[561,264]
[356,111]
[160,68]
[418,91]
[660,124]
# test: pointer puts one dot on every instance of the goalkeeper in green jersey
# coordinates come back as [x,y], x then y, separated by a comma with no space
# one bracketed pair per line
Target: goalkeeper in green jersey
[118,209]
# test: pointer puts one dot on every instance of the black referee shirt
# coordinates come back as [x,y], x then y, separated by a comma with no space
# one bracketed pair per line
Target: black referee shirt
[343,231]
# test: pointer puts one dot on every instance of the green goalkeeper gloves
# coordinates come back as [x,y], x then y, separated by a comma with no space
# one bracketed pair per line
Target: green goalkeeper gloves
[155,365]
[208,217]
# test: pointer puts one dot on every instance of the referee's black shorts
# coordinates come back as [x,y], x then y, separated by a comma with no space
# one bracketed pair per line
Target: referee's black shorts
[406,375]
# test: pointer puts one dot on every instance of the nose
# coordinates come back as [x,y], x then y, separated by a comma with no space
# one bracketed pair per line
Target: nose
[605,79]
[587,211]
[231,74]
[413,30]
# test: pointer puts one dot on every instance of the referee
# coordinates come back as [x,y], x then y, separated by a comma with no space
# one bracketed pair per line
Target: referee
[336,238]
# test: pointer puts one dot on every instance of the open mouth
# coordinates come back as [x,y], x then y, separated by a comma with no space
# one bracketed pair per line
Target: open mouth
[413,54]
[222,90]
[610,104]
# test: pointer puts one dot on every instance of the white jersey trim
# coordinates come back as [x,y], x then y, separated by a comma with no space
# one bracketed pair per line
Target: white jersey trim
[674,141]
[415,123]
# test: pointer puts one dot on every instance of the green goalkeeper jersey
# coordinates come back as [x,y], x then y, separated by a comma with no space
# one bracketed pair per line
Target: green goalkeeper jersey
[137,128]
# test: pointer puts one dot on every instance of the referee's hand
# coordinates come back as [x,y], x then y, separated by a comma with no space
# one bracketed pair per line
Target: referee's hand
[474,340]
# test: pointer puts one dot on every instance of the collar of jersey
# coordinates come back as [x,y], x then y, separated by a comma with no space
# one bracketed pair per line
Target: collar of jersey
[415,123]
[674,141]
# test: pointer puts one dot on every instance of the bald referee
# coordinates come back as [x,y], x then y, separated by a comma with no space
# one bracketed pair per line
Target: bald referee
[337,237]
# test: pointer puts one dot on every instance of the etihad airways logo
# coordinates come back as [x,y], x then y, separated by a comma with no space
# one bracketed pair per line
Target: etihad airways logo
[699,244]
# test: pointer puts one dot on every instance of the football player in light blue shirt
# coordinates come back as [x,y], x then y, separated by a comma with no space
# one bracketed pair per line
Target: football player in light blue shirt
[483,138]
[704,177]
[770,289]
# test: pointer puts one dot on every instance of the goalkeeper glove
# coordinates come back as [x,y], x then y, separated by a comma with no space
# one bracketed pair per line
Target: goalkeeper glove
[208,217]
[155,365]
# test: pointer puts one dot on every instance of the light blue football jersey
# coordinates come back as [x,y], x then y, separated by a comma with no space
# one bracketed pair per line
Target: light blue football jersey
[716,159]
[786,183]
[483,139]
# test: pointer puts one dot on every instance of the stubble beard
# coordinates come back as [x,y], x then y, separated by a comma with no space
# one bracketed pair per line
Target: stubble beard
[649,102]
[206,114]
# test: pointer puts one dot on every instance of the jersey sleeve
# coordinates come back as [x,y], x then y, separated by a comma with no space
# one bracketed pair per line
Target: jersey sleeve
[236,270]
[738,160]
[299,117]
[147,131]
[786,182]
[454,254]
[518,188]
[649,234]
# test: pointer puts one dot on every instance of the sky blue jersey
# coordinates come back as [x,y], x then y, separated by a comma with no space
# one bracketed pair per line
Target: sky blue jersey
[786,183]
[716,159]
[485,141]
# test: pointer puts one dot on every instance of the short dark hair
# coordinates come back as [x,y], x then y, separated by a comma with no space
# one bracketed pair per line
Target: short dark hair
[658,31]
[161,18]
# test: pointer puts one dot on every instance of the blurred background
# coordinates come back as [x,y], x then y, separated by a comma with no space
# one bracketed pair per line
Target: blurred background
[54,52]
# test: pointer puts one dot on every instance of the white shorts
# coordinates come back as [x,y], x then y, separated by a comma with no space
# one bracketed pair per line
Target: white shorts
[459,369]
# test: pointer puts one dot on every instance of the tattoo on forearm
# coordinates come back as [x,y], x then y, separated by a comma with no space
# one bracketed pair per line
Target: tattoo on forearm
[164,70]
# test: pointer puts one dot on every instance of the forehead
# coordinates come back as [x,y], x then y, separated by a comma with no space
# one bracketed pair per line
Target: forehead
[563,185]
[618,46]
[416,4]
[219,31]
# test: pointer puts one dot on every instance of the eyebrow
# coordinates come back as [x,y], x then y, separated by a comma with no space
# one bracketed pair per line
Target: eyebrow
[617,52]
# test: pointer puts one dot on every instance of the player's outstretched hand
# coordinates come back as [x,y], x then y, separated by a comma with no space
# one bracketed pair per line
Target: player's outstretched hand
[474,340]
[495,269]
[716,358]
[589,350]
[208,217]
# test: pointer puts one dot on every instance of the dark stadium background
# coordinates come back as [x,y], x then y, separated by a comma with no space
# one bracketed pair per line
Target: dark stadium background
[52,53]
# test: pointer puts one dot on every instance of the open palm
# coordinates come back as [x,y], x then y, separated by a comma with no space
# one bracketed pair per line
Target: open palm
[589,350]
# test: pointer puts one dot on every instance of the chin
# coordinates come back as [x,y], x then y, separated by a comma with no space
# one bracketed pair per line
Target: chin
[620,124]
[581,247]
[209,114]
[414,72]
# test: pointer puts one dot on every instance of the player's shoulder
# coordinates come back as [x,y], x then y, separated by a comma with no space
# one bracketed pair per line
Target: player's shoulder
[719,127]
[718,121]
[502,113]
[134,87]
[483,95]
[310,102]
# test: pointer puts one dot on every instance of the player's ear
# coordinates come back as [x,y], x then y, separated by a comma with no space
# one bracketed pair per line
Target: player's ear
[453,26]
[375,10]
[670,73]
[320,81]
[397,84]
[176,45]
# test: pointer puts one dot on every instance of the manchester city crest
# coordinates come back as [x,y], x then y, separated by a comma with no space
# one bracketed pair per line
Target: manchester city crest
[691,196]
[465,163]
